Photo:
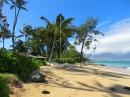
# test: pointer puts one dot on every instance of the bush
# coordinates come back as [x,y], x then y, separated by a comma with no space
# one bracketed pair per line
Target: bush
[11,62]
[38,62]
[64,60]
[9,78]
[43,62]
[4,90]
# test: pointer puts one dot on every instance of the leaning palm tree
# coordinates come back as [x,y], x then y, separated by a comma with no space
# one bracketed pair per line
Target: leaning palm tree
[18,5]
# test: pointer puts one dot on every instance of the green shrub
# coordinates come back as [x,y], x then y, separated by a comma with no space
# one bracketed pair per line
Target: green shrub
[4,90]
[43,62]
[8,77]
[11,62]
[64,60]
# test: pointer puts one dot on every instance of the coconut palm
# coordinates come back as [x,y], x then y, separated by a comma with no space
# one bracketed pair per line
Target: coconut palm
[18,5]
[5,34]
[54,29]
[27,30]
[19,46]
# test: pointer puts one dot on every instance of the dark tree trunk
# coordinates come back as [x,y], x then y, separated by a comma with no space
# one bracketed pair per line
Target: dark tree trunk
[3,42]
[14,25]
[81,55]
[52,48]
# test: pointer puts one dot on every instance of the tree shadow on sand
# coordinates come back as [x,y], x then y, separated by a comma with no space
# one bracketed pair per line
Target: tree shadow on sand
[59,81]
[119,89]
[86,70]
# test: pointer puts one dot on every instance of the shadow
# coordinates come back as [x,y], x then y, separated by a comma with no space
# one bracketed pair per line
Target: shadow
[74,69]
[86,70]
[98,88]
[115,75]
[120,89]
[17,84]
[58,81]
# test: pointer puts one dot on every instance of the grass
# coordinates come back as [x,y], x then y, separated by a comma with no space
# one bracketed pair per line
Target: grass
[9,78]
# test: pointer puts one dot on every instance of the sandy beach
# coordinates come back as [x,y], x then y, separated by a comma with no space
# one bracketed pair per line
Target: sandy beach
[76,81]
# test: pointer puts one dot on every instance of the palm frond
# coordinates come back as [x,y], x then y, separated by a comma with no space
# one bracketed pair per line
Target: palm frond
[45,19]
[11,7]
[12,1]
[19,36]
[24,8]
[21,32]
[68,21]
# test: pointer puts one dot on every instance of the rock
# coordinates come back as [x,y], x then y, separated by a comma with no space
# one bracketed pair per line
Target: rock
[38,78]
[127,88]
[45,92]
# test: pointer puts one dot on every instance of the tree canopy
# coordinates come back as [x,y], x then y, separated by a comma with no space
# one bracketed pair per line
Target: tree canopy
[52,40]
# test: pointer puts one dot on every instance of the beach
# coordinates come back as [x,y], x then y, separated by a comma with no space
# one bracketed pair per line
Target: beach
[76,81]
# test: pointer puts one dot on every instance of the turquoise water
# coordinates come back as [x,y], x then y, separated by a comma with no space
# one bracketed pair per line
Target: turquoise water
[116,64]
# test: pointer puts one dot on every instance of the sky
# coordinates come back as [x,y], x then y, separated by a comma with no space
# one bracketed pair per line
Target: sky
[114,20]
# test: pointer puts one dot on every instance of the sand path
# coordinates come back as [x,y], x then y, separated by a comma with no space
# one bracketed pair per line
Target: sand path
[86,81]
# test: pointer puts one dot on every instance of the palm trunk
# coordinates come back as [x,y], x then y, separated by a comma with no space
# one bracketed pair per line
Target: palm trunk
[14,25]
[81,55]
[25,44]
[52,48]
[3,42]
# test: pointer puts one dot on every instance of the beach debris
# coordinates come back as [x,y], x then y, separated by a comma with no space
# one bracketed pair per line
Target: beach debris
[45,92]
[127,88]
[112,89]
[38,78]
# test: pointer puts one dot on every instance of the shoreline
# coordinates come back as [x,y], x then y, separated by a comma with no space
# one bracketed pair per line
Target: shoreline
[116,68]
[122,70]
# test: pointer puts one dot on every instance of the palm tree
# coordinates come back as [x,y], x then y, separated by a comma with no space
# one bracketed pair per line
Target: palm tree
[37,40]
[27,30]
[19,46]
[54,28]
[18,5]
[5,34]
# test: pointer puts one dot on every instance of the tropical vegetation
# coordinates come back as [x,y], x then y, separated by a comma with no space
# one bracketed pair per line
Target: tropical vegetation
[51,41]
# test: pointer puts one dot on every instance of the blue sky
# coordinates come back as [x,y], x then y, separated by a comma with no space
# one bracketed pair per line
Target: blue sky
[114,19]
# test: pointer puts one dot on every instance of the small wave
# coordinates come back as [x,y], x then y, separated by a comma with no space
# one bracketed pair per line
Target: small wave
[128,67]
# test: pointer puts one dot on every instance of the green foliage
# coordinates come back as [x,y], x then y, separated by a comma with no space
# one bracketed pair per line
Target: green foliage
[64,60]
[4,90]
[43,62]
[8,77]
[71,53]
[15,63]
[86,34]
[39,62]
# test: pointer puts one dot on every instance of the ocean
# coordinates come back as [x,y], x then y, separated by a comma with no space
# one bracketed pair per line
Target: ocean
[121,66]
[115,64]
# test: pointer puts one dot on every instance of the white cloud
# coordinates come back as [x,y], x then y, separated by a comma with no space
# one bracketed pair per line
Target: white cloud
[103,23]
[116,39]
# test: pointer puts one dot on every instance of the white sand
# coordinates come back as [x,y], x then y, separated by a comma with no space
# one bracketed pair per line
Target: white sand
[75,81]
